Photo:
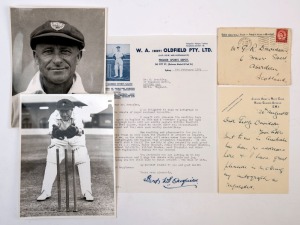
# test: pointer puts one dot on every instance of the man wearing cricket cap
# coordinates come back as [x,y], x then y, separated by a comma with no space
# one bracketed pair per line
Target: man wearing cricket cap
[66,129]
[57,50]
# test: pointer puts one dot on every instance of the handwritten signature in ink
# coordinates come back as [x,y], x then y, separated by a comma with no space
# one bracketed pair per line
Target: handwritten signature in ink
[172,182]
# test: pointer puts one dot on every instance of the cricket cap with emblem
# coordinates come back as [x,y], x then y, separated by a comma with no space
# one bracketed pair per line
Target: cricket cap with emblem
[57,31]
[64,104]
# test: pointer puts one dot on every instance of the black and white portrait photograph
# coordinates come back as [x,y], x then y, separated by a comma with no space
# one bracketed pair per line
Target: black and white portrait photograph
[57,51]
[67,155]
[118,62]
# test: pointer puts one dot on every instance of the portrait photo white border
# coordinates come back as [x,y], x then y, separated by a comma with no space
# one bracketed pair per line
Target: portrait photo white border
[98,102]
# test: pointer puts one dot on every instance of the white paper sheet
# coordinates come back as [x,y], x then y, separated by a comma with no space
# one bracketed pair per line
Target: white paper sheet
[165,97]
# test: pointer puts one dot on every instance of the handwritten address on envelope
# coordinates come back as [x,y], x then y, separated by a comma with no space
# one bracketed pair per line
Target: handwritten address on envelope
[254,56]
[253,140]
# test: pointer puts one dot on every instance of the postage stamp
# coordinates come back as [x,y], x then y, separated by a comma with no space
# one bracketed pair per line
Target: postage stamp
[281,35]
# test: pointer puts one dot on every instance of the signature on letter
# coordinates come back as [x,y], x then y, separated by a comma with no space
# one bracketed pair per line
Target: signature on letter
[172,182]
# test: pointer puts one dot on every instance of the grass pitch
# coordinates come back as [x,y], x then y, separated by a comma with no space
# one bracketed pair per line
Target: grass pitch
[33,161]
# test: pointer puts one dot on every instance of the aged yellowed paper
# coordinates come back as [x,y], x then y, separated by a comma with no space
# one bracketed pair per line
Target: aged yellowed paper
[254,56]
[253,139]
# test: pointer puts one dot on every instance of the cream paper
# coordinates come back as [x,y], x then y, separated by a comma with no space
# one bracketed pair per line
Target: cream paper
[253,139]
[254,56]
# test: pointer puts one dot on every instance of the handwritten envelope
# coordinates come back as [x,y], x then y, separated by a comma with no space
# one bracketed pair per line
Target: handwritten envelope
[254,56]
[253,139]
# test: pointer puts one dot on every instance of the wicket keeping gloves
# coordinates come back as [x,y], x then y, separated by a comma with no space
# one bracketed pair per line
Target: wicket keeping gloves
[71,131]
[57,133]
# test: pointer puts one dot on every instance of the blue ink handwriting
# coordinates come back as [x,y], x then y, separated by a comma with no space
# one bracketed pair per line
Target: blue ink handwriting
[172,182]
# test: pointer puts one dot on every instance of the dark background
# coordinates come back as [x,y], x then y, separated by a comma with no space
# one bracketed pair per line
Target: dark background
[91,22]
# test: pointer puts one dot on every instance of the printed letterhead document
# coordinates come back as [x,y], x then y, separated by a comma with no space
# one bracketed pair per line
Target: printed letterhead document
[165,97]
[253,140]
[254,56]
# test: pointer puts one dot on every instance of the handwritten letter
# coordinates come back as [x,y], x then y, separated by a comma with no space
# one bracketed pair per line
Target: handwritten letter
[254,56]
[253,140]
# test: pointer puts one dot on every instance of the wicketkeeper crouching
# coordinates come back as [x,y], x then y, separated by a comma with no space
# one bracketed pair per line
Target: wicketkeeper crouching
[66,128]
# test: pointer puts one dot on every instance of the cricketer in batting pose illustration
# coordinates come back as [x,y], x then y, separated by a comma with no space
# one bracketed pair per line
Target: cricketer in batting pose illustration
[66,129]
[118,56]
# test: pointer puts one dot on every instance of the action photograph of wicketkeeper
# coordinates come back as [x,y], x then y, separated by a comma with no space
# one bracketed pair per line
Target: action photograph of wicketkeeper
[67,155]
